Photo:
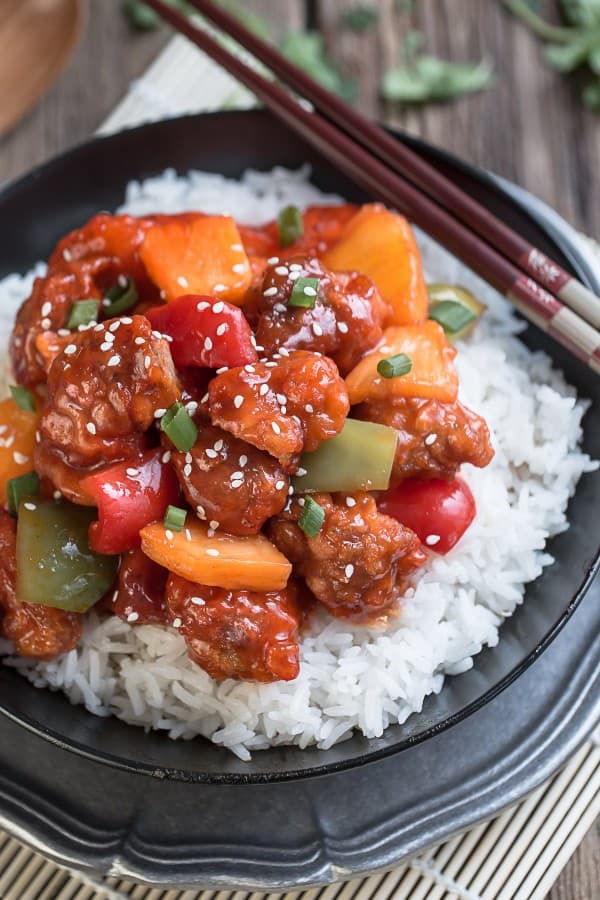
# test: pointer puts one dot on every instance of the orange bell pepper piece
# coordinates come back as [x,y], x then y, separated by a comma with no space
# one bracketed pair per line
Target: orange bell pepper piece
[236,563]
[202,255]
[17,440]
[381,244]
[432,374]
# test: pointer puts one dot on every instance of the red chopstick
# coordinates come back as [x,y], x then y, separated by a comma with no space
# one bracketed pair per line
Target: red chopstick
[410,165]
[532,299]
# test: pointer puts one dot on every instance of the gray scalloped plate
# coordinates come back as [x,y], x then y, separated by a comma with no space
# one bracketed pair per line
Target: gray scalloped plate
[205,818]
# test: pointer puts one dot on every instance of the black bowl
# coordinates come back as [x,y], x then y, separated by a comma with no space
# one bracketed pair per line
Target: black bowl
[38,209]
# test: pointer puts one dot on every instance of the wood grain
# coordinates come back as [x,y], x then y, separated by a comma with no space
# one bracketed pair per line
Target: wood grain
[530,127]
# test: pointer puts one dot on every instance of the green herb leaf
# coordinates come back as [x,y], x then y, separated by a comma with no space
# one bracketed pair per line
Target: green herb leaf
[360,18]
[175,518]
[431,78]
[23,398]
[304,293]
[179,427]
[27,485]
[140,15]
[567,57]
[394,366]
[312,517]
[83,312]
[290,225]
[582,13]
[305,49]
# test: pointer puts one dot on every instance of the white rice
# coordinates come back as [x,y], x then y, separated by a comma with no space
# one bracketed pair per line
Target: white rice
[354,677]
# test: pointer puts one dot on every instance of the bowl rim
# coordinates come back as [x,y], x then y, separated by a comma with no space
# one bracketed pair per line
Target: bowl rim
[580,261]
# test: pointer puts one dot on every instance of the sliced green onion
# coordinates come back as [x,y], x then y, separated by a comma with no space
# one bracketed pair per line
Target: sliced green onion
[27,485]
[452,315]
[312,518]
[290,225]
[83,312]
[23,398]
[393,366]
[179,427]
[175,518]
[304,293]
[120,297]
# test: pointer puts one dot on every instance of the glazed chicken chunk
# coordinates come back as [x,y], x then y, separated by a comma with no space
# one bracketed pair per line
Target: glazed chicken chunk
[238,634]
[230,483]
[103,392]
[358,563]
[285,406]
[434,438]
[344,323]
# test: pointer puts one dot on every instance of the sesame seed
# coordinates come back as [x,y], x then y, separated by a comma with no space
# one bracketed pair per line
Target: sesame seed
[237,248]
[236,483]
[188,534]
[159,413]
[147,362]
[342,327]
[219,287]
[218,307]
[127,320]
[284,410]
[38,436]
[218,445]
[280,307]
[256,346]
[275,427]
[205,398]
[200,512]
[105,346]
[110,337]
[211,552]
[63,332]
[20,458]
[282,270]
[283,351]
[70,349]
[279,485]
[187,470]
[281,399]
[238,268]
[188,457]
[97,328]
[212,454]
[166,456]
[122,281]
[115,360]
[249,368]
[168,534]
[293,276]
[30,506]
[192,407]
[349,570]
[177,623]
[183,282]
[270,292]
[133,616]
[114,326]
[235,475]
[106,302]
[301,472]
[432,539]
[208,344]
[46,308]
[46,324]
[202,305]
[295,267]
[238,400]
[272,260]
[57,495]
[317,329]
[198,601]
[222,329]
[91,428]
[271,365]
[214,524]
[132,472]
[290,490]
[430,439]
[350,501]
[67,255]
[139,341]
[243,460]
[309,408]
[301,501]
[309,291]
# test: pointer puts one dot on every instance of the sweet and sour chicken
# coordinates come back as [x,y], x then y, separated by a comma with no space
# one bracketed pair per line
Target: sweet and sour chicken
[220,428]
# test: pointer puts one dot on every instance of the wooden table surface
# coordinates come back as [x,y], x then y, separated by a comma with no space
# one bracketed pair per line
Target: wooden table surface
[530,127]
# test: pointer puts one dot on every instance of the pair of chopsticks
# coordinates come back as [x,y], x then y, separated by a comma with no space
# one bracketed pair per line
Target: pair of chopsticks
[393,173]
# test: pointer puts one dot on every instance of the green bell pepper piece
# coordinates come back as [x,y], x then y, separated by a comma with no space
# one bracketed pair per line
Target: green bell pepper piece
[55,565]
[359,458]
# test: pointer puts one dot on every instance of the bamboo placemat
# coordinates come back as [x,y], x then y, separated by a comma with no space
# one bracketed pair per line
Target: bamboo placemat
[517,856]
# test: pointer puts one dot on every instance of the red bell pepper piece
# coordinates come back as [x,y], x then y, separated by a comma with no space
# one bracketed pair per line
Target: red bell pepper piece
[206,331]
[129,496]
[439,512]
